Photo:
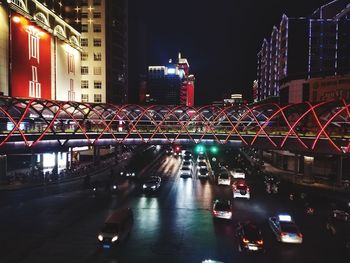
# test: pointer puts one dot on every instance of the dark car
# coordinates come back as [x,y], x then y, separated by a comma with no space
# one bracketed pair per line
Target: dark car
[151,184]
[116,228]
[271,179]
[338,225]
[249,237]
[128,172]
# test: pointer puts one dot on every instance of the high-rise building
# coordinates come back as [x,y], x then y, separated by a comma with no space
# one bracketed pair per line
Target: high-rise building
[304,49]
[104,39]
[39,51]
[171,84]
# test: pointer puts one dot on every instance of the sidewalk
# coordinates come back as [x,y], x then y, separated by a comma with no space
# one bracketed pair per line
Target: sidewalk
[80,173]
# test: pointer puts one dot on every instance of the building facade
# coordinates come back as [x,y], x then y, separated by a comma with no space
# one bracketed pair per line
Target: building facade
[104,40]
[171,84]
[302,50]
[39,52]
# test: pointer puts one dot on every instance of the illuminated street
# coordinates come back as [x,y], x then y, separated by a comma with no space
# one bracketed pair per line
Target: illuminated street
[176,222]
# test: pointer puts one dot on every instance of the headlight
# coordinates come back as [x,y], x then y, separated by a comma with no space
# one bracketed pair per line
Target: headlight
[115,238]
[114,187]
[133,174]
[121,172]
[100,237]
[144,186]
[153,187]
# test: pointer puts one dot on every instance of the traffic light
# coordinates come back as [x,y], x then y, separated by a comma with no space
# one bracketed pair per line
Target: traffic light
[199,149]
[214,149]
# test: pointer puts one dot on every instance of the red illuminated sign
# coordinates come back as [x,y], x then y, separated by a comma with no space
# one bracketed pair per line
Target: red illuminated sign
[30,60]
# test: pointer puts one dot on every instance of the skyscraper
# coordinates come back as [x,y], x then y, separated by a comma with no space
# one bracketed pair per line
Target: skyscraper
[303,50]
[104,39]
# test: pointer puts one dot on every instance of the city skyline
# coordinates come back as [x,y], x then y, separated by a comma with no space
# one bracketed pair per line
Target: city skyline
[221,41]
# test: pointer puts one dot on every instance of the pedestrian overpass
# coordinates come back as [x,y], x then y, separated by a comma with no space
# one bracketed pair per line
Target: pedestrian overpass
[36,125]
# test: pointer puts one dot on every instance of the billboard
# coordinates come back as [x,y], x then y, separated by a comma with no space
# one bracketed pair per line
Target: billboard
[30,59]
[68,73]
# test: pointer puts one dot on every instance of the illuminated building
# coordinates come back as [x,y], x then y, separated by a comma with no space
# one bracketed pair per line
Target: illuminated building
[302,50]
[104,38]
[171,84]
[42,49]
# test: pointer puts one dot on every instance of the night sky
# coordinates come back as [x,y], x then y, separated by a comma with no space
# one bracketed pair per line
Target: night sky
[219,38]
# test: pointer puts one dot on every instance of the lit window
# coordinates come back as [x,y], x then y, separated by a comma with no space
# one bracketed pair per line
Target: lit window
[97,42]
[84,97]
[84,56]
[84,42]
[97,84]
[97,28]
[97,56]
[84,84]
[97,98]
[97,70]
[84,70]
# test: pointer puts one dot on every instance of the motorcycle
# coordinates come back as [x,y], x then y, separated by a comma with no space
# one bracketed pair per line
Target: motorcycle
[274,188]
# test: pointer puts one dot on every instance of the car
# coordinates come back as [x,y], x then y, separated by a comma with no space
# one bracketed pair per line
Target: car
[271,179]
[240,189]
[116,228]
[201,165]
[169,150]
[187,158]
[203,173]
[249,237]
[127,172]
[238,173]
[187,153]
[285,229]
[185,172]
[224,178]
[201,158]
[187,164]
[222,209]
[151,184]
[338,225]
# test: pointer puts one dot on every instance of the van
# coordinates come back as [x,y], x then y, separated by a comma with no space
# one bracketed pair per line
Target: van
[116,228]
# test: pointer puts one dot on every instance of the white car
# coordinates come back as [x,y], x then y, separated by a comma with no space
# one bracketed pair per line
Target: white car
[185,172]
[285,229]
[222,209]
[238,173]
[224,179]
[203,173]
[188,164]
[201,165]
[240,189]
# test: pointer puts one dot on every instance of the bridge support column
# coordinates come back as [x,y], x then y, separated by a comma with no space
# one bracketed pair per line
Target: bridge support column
[3,169]
[96,157]
[308,164]
[55,168]
[340,169]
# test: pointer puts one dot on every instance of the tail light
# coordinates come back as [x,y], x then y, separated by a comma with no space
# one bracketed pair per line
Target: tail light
[260,242]
[215,212]
[245,241]
[284,233]
[300,235]
[248,189]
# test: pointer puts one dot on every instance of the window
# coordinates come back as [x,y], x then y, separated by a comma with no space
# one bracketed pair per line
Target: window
[84,70]
[84,42]
[97,56]
[84,97]
[84,27]
[84,56]
[97,28]
[97,2]
[97,14]
[97,98]
[84,84]
[97,84]
[84,15]
[97,70]
[97,42]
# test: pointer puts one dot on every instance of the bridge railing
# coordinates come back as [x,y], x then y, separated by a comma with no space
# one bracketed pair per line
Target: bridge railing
[328,121]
